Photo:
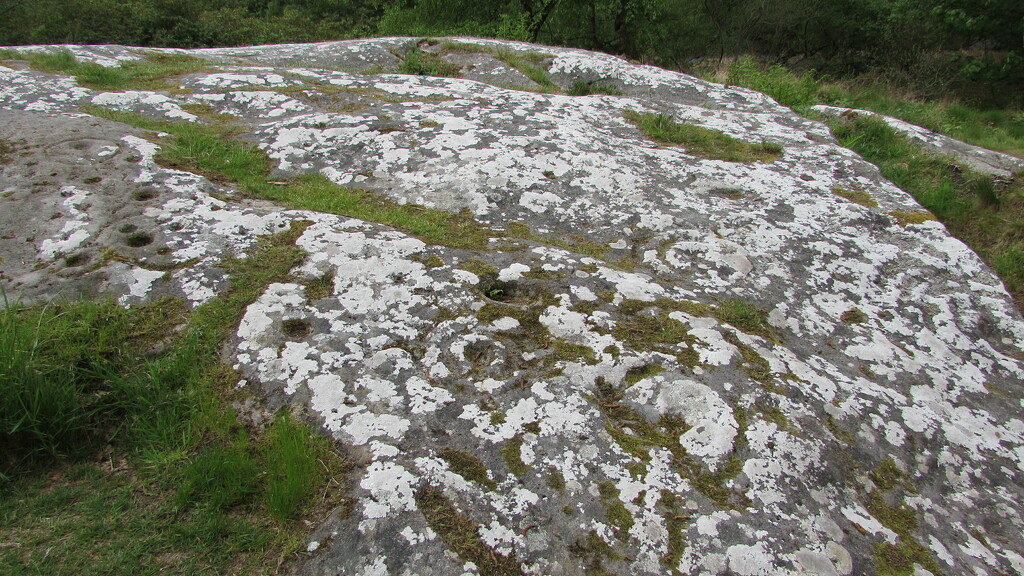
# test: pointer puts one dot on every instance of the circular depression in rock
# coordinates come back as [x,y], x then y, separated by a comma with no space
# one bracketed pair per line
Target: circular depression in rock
[139,239]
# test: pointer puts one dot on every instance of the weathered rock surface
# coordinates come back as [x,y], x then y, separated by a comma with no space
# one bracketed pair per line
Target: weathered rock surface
[632,413]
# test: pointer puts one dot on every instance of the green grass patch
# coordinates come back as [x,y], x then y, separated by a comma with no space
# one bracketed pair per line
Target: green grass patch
[531,64]
[7,149]
[294,462]
[209,150]
[420,63]
[460,534]
[157,474]
[987,220]
[992,128]
[149,73]
[746,317]
[700,141]
[580,87]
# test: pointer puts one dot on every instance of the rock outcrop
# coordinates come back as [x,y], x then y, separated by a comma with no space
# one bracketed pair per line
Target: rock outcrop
[668,365]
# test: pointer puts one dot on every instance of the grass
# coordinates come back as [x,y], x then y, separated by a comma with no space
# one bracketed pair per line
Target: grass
[531,64]
[136,464]
[7,148]
[420,63]
[702,142]
[996,129]
[149,73]
[986,219]
[210,150]
[580,87]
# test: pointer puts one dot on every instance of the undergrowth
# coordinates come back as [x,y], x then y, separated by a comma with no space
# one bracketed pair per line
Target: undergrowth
[120,454]
[700,141]
[992,128]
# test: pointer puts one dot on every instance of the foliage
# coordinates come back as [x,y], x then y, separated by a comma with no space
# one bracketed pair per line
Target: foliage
[967,203]
[116,455]
[701,141]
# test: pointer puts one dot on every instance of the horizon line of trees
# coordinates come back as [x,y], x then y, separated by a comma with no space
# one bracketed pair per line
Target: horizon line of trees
[934,40]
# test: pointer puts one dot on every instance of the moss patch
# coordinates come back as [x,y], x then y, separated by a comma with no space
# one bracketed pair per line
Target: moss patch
[512,453]
[905,218]
[856,196]
[700,141]
[468,466]
[854,316]
[638,373]
[637,436]
[460,534]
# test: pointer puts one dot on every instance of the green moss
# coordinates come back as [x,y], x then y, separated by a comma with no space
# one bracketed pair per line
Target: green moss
[745,316]
[888,476]
[531,64]
[841,434]
[461,535]
[638,373]
[576,243]
[700,141]
[590,268]
[497,418]
[532,427]
[478,267]
[511,452]
[754,364]
[856,196]
[906,218]
[594,551]
[555,480]
[619,518]
[658,333]
[636,436]
[569,352]
[854,316]
[209,150]
[429,124]
[675,523]
[468,466]
[774,414]
[6,151]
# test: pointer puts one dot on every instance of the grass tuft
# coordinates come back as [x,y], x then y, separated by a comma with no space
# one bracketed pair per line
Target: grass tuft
[700,141]
[420,63]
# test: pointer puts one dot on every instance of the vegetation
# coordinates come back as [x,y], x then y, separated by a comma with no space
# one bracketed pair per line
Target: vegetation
[460,534]
[972,208]
[149,73]
[701,141]
[119,448]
